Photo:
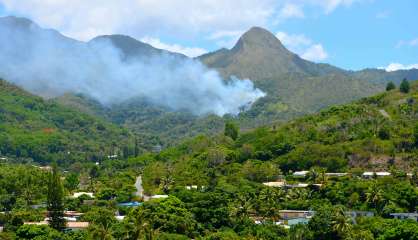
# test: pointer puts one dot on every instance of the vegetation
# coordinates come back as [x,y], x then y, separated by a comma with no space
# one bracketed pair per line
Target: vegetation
[215,183]
[390,86]
[404,87]
[55,197]
[35,129]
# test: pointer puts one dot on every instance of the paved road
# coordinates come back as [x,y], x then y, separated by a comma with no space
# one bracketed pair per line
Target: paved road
[139,189]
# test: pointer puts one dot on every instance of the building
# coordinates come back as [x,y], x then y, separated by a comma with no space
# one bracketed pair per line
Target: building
[130,204]
[336,174]
[293,214]
[275,184]
[158,196]
[403,216]
[70,226]
[375,174]
[79,194]
[300,174]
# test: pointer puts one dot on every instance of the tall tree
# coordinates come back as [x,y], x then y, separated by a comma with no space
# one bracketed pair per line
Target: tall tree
[231,130]
[55,197]
[404,87]
[390,86]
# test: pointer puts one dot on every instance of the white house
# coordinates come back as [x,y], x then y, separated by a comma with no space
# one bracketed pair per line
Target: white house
[377,174]
[79,194]
[301,174]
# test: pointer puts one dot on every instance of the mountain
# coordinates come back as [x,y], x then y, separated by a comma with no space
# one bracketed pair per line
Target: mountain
[44,130]
[377,133]
[294,86]
[259,55]
[132,48]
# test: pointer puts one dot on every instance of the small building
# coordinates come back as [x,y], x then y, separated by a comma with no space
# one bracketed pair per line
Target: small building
[130,204]
[191,187]
[336,174]
[295,221]
[403,216]
[70,226]
[377,174]
[158,196]
[79,194]
[275,184]
[300,174]
[293,214]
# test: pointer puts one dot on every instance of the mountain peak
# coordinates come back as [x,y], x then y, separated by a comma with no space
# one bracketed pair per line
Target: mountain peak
[17,21]
[259,38]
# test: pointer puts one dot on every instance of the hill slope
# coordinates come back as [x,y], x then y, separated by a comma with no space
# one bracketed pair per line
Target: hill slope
[375,133]
[43,130]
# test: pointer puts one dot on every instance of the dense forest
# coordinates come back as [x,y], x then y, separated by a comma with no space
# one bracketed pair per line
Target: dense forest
[32,128]
[215,187]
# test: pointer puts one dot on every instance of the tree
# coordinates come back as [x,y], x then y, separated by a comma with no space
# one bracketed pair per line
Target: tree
[416,135]
[231,130]
[55,205]
[404,87]
[390,86]
[374,196]
[341,223]
[71,182]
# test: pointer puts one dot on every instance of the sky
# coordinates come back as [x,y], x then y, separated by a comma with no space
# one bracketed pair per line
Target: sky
[351,34]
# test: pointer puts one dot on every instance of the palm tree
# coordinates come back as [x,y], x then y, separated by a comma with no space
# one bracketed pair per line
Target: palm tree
[341,223]
[374,196]
[269,199]
[243,206]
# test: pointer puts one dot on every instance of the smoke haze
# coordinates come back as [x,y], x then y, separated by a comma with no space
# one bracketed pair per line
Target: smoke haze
[49,64]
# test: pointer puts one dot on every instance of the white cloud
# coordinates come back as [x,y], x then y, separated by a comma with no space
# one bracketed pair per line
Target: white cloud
[411,43]
[290,10]
[85,19]
[330,5]
[303,46]
[315,53]
[226,39]
[398,66]
[188,51]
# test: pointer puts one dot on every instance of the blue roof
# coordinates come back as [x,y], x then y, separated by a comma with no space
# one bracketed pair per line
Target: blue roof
[130,204]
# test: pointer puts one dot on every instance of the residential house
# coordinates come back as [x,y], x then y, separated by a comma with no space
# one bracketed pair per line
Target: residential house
[403,216]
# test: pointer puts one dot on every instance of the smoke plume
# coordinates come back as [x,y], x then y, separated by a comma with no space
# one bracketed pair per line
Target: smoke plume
[46,63]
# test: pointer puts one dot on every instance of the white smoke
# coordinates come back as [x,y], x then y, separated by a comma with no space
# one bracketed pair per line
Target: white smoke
[46,63]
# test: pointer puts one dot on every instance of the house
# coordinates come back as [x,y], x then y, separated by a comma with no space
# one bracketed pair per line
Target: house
[403,216]
[275,184]
[336,174]
[300,174]
[191,187]
[377,174]
[294,214]
[73,214]
[296,221]
[355,214]
[158,196]
[130,204]
[70,226]
[79,194]
[75,226]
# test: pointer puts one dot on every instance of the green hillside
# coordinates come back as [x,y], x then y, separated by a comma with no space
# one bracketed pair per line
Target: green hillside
[31,127]
[375,133]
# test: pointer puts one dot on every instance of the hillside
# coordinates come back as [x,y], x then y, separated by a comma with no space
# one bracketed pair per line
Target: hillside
[44,130]
[374,133]
[294,86]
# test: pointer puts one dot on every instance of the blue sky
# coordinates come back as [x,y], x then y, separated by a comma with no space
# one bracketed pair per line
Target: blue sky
[352,34]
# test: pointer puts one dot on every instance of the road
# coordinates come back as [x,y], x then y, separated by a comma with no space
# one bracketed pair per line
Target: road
[138,185]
